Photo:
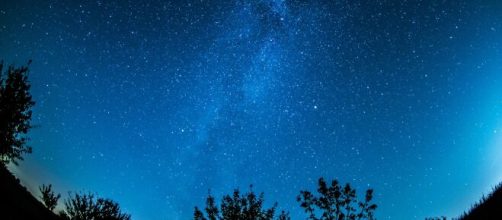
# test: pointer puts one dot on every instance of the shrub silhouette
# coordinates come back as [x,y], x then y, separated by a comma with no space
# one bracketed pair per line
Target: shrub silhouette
[48,197]
[15,113]
[239,207]
[87,207]
[336,202]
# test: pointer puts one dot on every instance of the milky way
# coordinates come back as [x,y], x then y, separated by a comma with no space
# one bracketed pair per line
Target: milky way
[154,103]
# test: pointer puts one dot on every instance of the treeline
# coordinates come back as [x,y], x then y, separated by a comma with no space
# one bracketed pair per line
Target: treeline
[332,201]
[82,206]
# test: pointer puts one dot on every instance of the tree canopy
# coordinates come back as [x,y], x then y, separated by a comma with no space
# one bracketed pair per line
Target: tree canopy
[15,113]
[49,198]
[336,202]
[248,206]
[89,207]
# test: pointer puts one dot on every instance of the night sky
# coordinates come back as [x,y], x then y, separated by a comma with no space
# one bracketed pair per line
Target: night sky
[153,103]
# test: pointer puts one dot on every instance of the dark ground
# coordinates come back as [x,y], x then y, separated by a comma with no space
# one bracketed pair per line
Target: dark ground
[488,207]
[17,203]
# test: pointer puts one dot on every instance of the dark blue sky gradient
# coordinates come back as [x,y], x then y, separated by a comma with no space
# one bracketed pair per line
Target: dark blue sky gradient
[153,103]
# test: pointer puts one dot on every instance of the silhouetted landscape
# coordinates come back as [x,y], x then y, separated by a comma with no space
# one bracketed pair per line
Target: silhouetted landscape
[488,207]
[17,202]
[250,110]
[335,201]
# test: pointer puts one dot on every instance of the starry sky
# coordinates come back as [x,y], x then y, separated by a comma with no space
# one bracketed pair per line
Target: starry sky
[152,103]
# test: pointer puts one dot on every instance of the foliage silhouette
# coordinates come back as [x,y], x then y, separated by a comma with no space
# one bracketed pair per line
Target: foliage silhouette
[489,207]
[15,113]
[336,202]
[88,207]
[17,203]
[48,197]
[248,206]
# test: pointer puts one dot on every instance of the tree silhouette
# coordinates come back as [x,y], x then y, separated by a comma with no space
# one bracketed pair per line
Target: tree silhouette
[48,197]
[436,218]
[87,207]
[336,202]
[239,207]
[15,113]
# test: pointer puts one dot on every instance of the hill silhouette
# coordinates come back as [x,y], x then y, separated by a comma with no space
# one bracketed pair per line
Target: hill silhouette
[17,203]
[488,207]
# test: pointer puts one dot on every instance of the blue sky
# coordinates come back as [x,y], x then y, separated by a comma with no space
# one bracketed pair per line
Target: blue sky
[152,103]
